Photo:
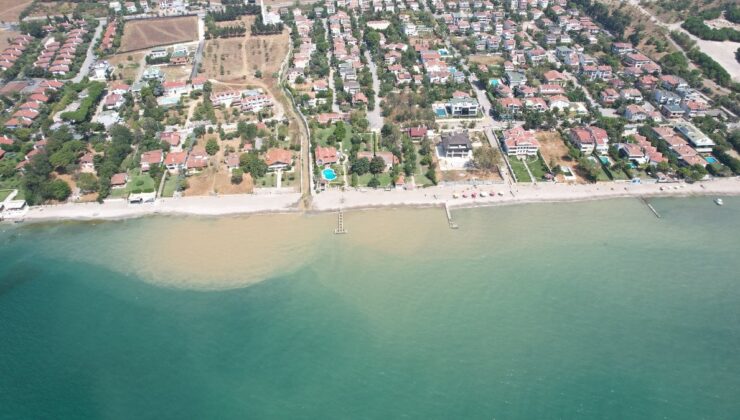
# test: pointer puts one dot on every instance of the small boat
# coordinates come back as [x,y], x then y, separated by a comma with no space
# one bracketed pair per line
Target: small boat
[483,194]
[718,201]
[465,195]
[474,195]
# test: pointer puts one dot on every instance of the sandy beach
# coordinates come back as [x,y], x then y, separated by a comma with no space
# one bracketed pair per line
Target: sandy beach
[498,194]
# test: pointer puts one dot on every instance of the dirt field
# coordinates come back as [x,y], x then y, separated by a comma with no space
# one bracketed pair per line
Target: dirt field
[217,178]
[55,8]
[175,73]
[130,68]
[5,37]
[10,9]
[554,150]
[488,60]
[141,34]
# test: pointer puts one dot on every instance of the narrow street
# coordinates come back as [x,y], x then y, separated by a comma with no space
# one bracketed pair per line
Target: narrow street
[375,117]
[90,56]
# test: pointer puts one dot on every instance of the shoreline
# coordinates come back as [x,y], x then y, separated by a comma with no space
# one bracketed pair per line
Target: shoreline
[332,201]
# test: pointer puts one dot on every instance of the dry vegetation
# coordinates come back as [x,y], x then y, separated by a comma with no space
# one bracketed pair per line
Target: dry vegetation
[216,179]
[488,60]
[142,34]
[126,69]
[11,9]
[555,152]
[5,37]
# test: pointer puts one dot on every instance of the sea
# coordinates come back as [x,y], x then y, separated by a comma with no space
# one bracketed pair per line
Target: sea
[588,310]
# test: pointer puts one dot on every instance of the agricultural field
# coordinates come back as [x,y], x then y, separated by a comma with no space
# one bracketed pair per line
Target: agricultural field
[488,60]
[11,9]
[143,34]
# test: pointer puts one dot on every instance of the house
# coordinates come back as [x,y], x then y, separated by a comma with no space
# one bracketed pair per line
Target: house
[326,156]
[113,101]
[232,161]
[554,77]
[153,157]
[635,113]
[636,60]
[694,108]
[559,102]
[590,139]
[278,159]
[417,133]
[179,57]
[701,142]
[175,88]
[622,48]
[462,106]
[119,180]
[171,137]
[674,83]
[520,142]
[631,95]
[197,160]
[608,96]
[456,145]
[388,158]
[515,78]
[633,152]
[87,164]
[175,161]
[672,110]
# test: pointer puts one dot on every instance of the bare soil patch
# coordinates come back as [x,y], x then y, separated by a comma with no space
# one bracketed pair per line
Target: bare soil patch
[126,69]
[148,33]
[488,60]
[11,9]
[5,37]
[555,152]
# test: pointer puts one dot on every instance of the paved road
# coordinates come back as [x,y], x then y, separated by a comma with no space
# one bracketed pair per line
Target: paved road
[90,57]
[197,59]
[374,117]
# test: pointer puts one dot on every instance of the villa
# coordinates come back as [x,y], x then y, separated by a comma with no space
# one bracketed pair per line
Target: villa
[456,145]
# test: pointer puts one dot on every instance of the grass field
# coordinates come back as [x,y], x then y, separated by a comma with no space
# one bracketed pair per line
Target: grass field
[4,194]
[519,170]
[143,34]
[11,9]
[537,167]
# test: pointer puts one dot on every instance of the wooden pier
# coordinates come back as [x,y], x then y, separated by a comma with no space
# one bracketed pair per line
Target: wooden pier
[340,224]
[650,206]
[450,222]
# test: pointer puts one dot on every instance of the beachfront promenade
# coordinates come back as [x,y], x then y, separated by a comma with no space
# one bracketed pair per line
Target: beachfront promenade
[366,199]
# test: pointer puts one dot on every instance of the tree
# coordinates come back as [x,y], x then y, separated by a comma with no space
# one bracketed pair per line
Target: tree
[360,166]
[485,158]
[57,189]
[373,182]
[237,176]
[252,164]
[212,147]
[377,165]
[87,182]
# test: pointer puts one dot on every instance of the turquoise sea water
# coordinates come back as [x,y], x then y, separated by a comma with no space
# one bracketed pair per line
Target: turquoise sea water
[582,310]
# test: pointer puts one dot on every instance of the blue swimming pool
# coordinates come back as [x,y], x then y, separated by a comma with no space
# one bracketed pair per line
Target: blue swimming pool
[440,112]
[329,174]
[710,159]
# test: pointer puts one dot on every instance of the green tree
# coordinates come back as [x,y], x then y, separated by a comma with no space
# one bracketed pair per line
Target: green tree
[360,166]
[377,165]
[87,182]
[373,182]
[57,189]
[212,147]
[252,164]
[485,158]
[237,176]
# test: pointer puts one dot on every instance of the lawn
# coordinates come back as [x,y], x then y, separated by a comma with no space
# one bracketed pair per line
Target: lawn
[137,183]
[4,194]
[384,178]
[519,170]
[170,185]
[537,167]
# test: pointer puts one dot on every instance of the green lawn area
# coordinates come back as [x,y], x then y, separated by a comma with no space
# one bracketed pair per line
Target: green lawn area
[537,167]
[519,170]
[138,182]
[4,194]
[170,185]
[384,178]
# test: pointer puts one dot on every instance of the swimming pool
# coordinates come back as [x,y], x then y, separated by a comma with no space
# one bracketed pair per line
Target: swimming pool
[710,159]
[441,113]
[329,174]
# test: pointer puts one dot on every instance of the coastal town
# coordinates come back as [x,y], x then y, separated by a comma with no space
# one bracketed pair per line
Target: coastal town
[114,109]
